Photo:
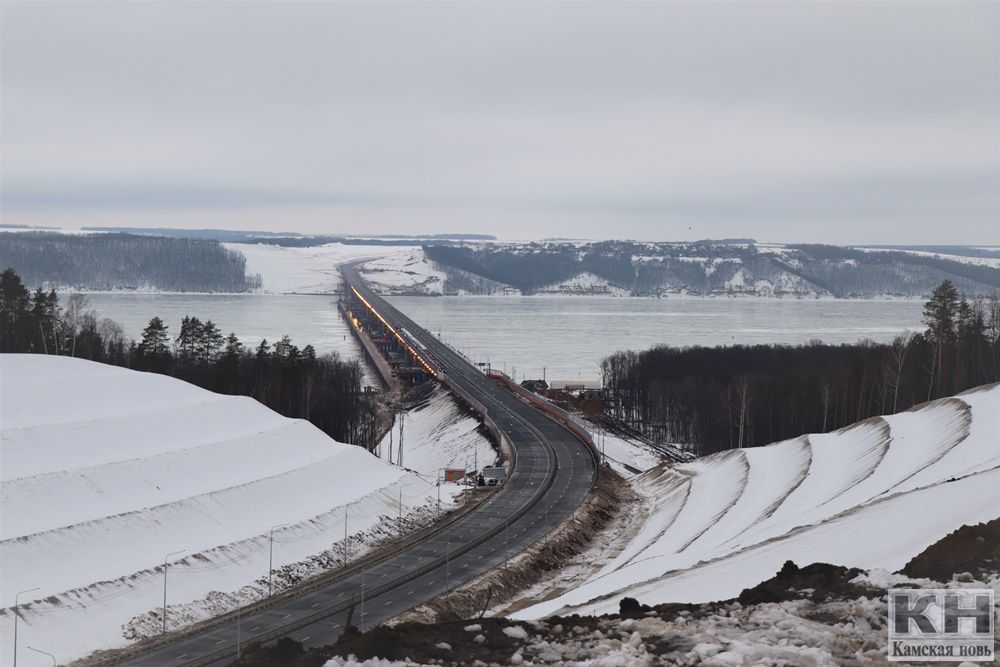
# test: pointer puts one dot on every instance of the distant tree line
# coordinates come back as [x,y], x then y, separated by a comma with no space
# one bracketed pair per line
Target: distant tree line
[719,398]
[293,381]
[708,267]
[125,261]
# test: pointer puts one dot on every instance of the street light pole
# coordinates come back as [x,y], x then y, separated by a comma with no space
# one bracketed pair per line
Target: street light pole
[16,614]
[172,553]
[506,540]
[362,599]
[36,650]
[270,559]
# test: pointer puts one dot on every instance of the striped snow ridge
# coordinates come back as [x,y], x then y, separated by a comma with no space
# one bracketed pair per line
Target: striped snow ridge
[136,484]
[729,521]
[105,470]
[773,474]
[669,490]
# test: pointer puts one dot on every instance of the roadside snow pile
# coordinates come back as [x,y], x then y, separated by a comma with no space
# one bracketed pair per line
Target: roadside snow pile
[438,434]
[312,270]
[106,470]
[722,523]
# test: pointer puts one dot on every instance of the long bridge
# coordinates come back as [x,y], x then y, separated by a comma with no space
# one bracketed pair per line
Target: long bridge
[552,469]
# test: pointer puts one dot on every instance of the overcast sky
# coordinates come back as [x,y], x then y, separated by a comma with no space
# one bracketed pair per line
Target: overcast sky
[843,123]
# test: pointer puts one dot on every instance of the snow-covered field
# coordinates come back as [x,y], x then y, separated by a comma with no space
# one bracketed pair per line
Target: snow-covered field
[107,470]
[872,495]
[313,270]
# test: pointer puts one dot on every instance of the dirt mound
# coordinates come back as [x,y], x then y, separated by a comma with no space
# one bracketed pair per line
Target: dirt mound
[971,550]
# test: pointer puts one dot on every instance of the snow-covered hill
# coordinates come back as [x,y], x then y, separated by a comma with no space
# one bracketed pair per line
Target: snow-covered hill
[872,495]
[306,270]
[107,470]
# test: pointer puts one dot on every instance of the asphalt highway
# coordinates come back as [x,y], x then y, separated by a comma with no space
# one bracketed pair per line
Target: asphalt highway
[553,473]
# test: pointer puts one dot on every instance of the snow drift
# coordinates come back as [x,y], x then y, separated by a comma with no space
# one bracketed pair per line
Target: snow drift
[106,470]
[872,495]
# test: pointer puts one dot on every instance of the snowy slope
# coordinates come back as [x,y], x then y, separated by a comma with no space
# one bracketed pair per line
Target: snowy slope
[872,495]
[438,434]
[106,470]
[406,271]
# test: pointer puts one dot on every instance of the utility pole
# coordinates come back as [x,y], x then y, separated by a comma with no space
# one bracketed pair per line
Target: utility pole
[543,374]
[345,535]
[172,553]
[506,540]
[362,600]
[270,560]
[439,494]
[16,615]
[399,449]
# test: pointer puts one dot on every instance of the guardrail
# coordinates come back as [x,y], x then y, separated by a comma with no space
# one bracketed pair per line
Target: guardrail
[555,412]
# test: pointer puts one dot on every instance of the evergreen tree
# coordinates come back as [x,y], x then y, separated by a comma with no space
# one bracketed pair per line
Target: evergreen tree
[153,346]
[940,313]
[15,324]
[188,341]
[210,341]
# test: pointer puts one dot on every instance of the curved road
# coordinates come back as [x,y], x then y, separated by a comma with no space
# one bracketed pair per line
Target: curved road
[549,460]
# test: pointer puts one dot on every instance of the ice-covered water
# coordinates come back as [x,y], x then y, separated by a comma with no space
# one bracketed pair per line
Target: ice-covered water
[307,319]
[567,335]
[570,335]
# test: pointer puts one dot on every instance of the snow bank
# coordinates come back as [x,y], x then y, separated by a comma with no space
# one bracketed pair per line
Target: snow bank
[872,495]
[106,470]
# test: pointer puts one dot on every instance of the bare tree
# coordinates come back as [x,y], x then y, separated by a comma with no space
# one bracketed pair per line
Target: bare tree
[743,398]
[73,317]
[896,360]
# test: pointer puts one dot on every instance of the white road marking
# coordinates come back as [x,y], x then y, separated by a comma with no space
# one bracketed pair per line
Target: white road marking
[313,606]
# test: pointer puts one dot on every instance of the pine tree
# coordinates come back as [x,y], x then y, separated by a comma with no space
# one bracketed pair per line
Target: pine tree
[210,341]
[14,318]
[940,313]
[189,339]
[154,341]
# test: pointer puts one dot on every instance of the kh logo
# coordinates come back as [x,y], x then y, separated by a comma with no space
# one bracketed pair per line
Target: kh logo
[941,624]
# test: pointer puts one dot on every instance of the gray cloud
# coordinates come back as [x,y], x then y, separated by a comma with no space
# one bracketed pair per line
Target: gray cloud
[840,122]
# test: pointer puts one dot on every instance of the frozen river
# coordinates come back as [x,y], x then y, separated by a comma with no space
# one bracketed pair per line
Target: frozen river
[568,336]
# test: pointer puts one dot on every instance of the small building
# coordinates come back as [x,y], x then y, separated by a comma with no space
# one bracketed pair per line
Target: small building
[575,386]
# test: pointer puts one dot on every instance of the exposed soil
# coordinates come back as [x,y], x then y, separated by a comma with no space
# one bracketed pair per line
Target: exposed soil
[971,550]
